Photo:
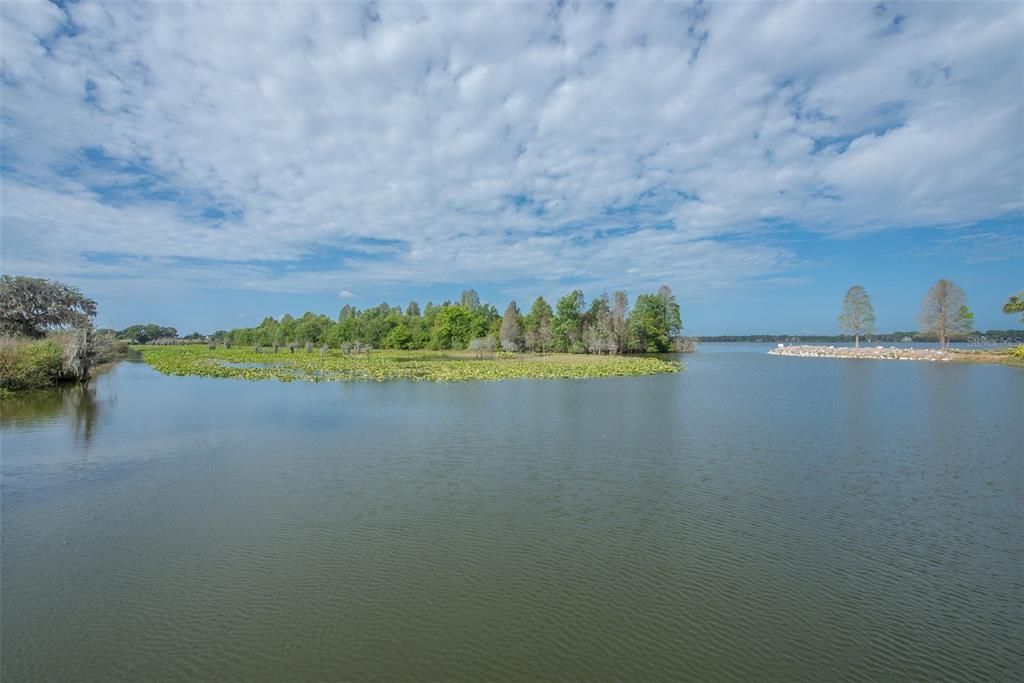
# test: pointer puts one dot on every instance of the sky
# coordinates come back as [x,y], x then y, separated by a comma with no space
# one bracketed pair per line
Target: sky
[203,165]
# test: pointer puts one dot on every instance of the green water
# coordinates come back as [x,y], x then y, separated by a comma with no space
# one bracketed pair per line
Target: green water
[753,518]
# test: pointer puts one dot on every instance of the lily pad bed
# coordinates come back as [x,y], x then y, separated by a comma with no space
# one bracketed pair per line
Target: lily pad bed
[433,366]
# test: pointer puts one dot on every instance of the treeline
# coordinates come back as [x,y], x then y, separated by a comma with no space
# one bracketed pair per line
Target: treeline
[607,325]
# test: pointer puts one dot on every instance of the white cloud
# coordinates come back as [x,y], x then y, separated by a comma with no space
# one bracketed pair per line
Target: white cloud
[345,294]
[309,146]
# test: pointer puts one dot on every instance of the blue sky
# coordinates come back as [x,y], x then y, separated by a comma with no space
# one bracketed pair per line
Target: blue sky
[203,165]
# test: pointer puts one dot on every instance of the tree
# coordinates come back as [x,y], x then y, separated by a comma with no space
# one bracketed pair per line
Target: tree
[857,317]
[618,321]
[943,311]
[597,326]
[968,317]
[470,300]
[512,328]
[567,325]
[647,329]
[481,346]
[413,310]
[673,321]
[453,328]
[1015,304]
[143,334]
[30,306]
[538,326]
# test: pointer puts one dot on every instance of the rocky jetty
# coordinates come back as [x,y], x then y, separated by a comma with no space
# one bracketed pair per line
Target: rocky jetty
[873,352]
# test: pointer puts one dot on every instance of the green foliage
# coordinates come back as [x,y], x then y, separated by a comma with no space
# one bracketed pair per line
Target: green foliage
[469,300]
[537,326]
[30,306]
[567,325]
[1015,304]
[603,328]
[453,330]
[966,318]
[29,363]
[654,322]
[1018,351]
[244,363]
[143,334]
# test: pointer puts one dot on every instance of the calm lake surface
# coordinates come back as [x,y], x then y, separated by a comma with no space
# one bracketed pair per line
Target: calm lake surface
[753,518]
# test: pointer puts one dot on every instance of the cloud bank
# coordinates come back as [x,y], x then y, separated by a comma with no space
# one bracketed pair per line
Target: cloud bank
[305,147]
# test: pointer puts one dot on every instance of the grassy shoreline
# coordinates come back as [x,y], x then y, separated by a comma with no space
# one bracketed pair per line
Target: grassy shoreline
[434,366]
[58,359]
[1012,357]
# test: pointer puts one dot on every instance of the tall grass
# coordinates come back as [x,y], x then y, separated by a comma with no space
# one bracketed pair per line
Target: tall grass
[29,363]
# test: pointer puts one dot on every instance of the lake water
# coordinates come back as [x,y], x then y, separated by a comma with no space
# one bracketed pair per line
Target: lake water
[753,518]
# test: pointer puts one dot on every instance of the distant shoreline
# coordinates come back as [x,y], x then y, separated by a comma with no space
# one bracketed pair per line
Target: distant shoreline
[978,338]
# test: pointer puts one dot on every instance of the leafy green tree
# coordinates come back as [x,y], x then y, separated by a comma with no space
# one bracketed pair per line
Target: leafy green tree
[486,321]
[31,306]
[512,328]
[943,312]
[287,327]
[654,323]
[567,325]
[143,334]
[857,316]
[412,310]
[453,328]
[537,326]
[967,316]
[673,321]
[1015,304]
[311,328]
[400,337]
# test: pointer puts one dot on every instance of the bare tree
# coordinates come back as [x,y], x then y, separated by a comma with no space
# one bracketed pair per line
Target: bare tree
[618,321]
[481,346]
[857,317]
[944,311]
[512,328]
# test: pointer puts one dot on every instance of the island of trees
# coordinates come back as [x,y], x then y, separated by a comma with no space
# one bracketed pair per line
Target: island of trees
[607,326]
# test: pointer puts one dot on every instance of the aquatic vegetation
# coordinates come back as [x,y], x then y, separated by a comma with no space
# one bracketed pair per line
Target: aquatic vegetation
[334,365]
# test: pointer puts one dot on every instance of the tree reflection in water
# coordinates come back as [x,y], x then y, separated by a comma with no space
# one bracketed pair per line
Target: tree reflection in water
[74,403]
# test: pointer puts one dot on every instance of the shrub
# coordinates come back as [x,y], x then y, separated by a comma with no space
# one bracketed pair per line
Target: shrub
[109,348]
[1018,351]
[29,364]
